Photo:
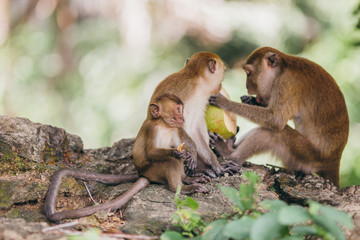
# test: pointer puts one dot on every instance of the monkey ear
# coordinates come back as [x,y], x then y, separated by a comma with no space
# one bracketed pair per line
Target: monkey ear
[155,110]
[272,59]
[212,65]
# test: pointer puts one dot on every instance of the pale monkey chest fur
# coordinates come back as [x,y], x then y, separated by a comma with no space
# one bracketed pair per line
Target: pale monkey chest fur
[167,138]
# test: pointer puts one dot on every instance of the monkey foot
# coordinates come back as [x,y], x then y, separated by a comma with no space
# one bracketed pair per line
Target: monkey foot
[201,189]
[231,167]
[195,188]
[221,147]
[202,178]
[210,173]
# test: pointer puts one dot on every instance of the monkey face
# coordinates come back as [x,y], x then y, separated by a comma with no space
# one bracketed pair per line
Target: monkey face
[250,79]
[173,114]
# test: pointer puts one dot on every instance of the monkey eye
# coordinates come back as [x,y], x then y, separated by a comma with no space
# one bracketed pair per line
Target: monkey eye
[187,60]
[248,73]
[178,110]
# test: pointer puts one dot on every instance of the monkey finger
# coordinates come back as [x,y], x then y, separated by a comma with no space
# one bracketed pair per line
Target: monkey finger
[214,137]
[210,173]
[212,100]
[205,179]
[178,155]
[201,189]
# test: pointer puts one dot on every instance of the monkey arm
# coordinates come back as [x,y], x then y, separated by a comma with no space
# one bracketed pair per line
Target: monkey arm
[272,117]
[191,159]
[162,154]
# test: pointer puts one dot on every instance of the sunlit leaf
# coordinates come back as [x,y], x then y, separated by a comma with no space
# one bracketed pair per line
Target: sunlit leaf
[171,235]
[191,203]
[239,229]
[233,195]
[273,205]
[337,216]
[266,227]
[329,226]
[215,230]
[291,215]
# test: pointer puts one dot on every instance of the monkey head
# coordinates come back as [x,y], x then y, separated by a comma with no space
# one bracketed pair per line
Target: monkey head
[209,66]
[262,68]
[170,109]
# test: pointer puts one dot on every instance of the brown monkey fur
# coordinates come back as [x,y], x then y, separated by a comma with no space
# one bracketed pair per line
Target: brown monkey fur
[155,149]
[153,161]
[289,87]
[50,200]
[194,84]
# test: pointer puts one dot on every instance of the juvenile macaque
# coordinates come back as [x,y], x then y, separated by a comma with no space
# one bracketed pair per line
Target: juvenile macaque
[156,159]
[155,152]
[194,84]
[289,87]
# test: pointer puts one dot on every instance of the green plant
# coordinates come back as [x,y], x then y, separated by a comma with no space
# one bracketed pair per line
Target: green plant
[244,197]
[269,219]
[186,218]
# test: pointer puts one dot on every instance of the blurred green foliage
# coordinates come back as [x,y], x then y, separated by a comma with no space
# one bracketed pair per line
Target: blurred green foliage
[91,67]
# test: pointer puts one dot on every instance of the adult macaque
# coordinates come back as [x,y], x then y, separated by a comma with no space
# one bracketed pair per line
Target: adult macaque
[155,157]
[289,87]
[194,84]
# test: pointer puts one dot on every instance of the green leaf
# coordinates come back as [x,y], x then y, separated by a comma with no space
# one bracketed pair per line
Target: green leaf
[291,215]
[215,230]
[251,177]
[273,205]
[239,229]
[266,227]
[304,230]
[337,216]
[233,195]
[177,199]
[246,194]
[329,226]
[171,235]
[247,191]
[191,203]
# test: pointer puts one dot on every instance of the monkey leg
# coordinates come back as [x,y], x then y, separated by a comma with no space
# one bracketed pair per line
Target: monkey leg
[193,180]
[296,151]
[210,165]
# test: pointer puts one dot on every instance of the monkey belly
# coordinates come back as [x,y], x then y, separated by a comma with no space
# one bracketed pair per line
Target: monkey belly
[163,172]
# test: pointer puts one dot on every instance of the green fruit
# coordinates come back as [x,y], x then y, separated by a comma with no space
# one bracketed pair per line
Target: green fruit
[220,121]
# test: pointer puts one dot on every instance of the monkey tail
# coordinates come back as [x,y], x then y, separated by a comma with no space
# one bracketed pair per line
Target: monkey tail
[49,205]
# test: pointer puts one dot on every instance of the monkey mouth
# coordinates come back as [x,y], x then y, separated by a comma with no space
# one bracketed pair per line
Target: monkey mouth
[257,99]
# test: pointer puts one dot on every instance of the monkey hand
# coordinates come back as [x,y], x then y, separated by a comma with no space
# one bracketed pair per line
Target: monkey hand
[249,100]
[189,163]
[220,146]
[219,101]
[178,155]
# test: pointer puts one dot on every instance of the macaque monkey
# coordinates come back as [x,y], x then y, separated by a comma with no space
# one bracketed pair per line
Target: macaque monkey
[155,151]
[288,87]
[194,84]
[155,157]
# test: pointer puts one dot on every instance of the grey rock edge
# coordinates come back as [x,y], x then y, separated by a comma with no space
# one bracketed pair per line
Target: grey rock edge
[31,152]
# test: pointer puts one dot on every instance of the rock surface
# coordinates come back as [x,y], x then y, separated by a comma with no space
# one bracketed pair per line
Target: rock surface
[31,152]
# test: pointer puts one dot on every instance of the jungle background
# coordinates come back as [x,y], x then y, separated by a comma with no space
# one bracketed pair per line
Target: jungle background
[90,67]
